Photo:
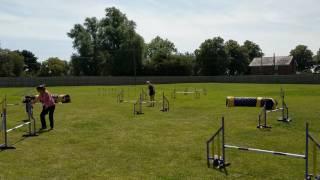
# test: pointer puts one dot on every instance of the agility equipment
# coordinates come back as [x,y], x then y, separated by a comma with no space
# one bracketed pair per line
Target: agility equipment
[265,103]
[284,112]
[216,155]
[196,92]
[120,98]
[31,122]
[144,95]
[165,103]
[137,107]
[251,102]
[107,91]
[63,98]
[268,105]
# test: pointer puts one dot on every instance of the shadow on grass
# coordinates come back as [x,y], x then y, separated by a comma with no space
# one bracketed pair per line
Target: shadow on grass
[24,137]
[222,170]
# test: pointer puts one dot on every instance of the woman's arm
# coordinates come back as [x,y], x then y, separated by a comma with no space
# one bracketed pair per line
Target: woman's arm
[36,99]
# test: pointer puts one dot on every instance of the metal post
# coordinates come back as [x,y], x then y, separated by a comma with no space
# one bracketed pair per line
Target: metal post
[315,147]
[29,117]
[283,105]
[140,104]
[223,148]
[163,101]
[208,154]
[5,123]
[307,152]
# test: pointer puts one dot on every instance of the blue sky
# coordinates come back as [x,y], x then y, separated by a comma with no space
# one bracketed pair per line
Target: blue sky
[276,25]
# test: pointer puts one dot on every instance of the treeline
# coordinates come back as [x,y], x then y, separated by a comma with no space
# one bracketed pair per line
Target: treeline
[25,63]
[111,47]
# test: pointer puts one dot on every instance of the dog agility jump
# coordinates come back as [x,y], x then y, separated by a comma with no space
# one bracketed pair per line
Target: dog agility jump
[267,105]
[137,106]
[196,92]
[165,104]
[216,155]
[120,97]
[31,122]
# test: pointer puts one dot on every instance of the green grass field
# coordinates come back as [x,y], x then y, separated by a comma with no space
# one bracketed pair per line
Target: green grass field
[97,138]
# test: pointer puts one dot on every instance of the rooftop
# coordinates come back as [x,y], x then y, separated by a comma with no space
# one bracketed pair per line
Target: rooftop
[271,61]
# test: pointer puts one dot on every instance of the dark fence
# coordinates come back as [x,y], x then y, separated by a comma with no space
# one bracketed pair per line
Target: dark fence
[89,81]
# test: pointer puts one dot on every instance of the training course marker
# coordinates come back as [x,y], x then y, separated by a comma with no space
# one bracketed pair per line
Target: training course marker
[137,107]
[120,98]
[165,103]
[216,157]
[30,122]
[284,112]
[268,105]
[195,92]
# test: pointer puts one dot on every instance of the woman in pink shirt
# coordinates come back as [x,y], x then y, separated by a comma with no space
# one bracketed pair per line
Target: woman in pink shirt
[48,106]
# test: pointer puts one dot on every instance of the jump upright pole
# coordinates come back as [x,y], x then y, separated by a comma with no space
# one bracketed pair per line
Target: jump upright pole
[31,120]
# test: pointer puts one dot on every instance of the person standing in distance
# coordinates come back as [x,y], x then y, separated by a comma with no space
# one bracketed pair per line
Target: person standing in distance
[152,93]
[48,106]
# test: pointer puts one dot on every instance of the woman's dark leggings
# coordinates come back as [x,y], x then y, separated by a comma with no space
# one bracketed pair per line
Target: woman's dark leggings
[45,111]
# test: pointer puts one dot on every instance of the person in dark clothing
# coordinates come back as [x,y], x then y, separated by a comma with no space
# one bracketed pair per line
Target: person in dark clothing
[152,93]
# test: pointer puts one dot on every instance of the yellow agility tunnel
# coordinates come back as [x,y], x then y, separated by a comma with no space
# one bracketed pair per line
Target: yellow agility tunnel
[270,103]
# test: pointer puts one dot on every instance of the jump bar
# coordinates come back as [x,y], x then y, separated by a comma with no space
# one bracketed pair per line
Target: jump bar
[187,92]
[266,151]
[17,127]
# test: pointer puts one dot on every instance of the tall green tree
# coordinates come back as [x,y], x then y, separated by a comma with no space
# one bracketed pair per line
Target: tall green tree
[11,64]
[109,46]
[303,56]
[54,67]
[32,66]
[212,57]
[316,58]
[162,59]
[159,49]
[238,58]
[253,49]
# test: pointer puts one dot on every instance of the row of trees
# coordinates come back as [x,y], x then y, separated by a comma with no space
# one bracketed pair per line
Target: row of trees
[111,46]
[24,63]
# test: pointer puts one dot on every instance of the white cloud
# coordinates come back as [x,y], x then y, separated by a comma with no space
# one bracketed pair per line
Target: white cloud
[277,26]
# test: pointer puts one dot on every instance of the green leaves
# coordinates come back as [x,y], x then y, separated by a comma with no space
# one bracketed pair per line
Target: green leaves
[216,57]
[54,67]
[159,49]
[212,57]
[238,58]
[11,63]
[303,56]
[31,66]
[316,58]
[109,46]
[253,49]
